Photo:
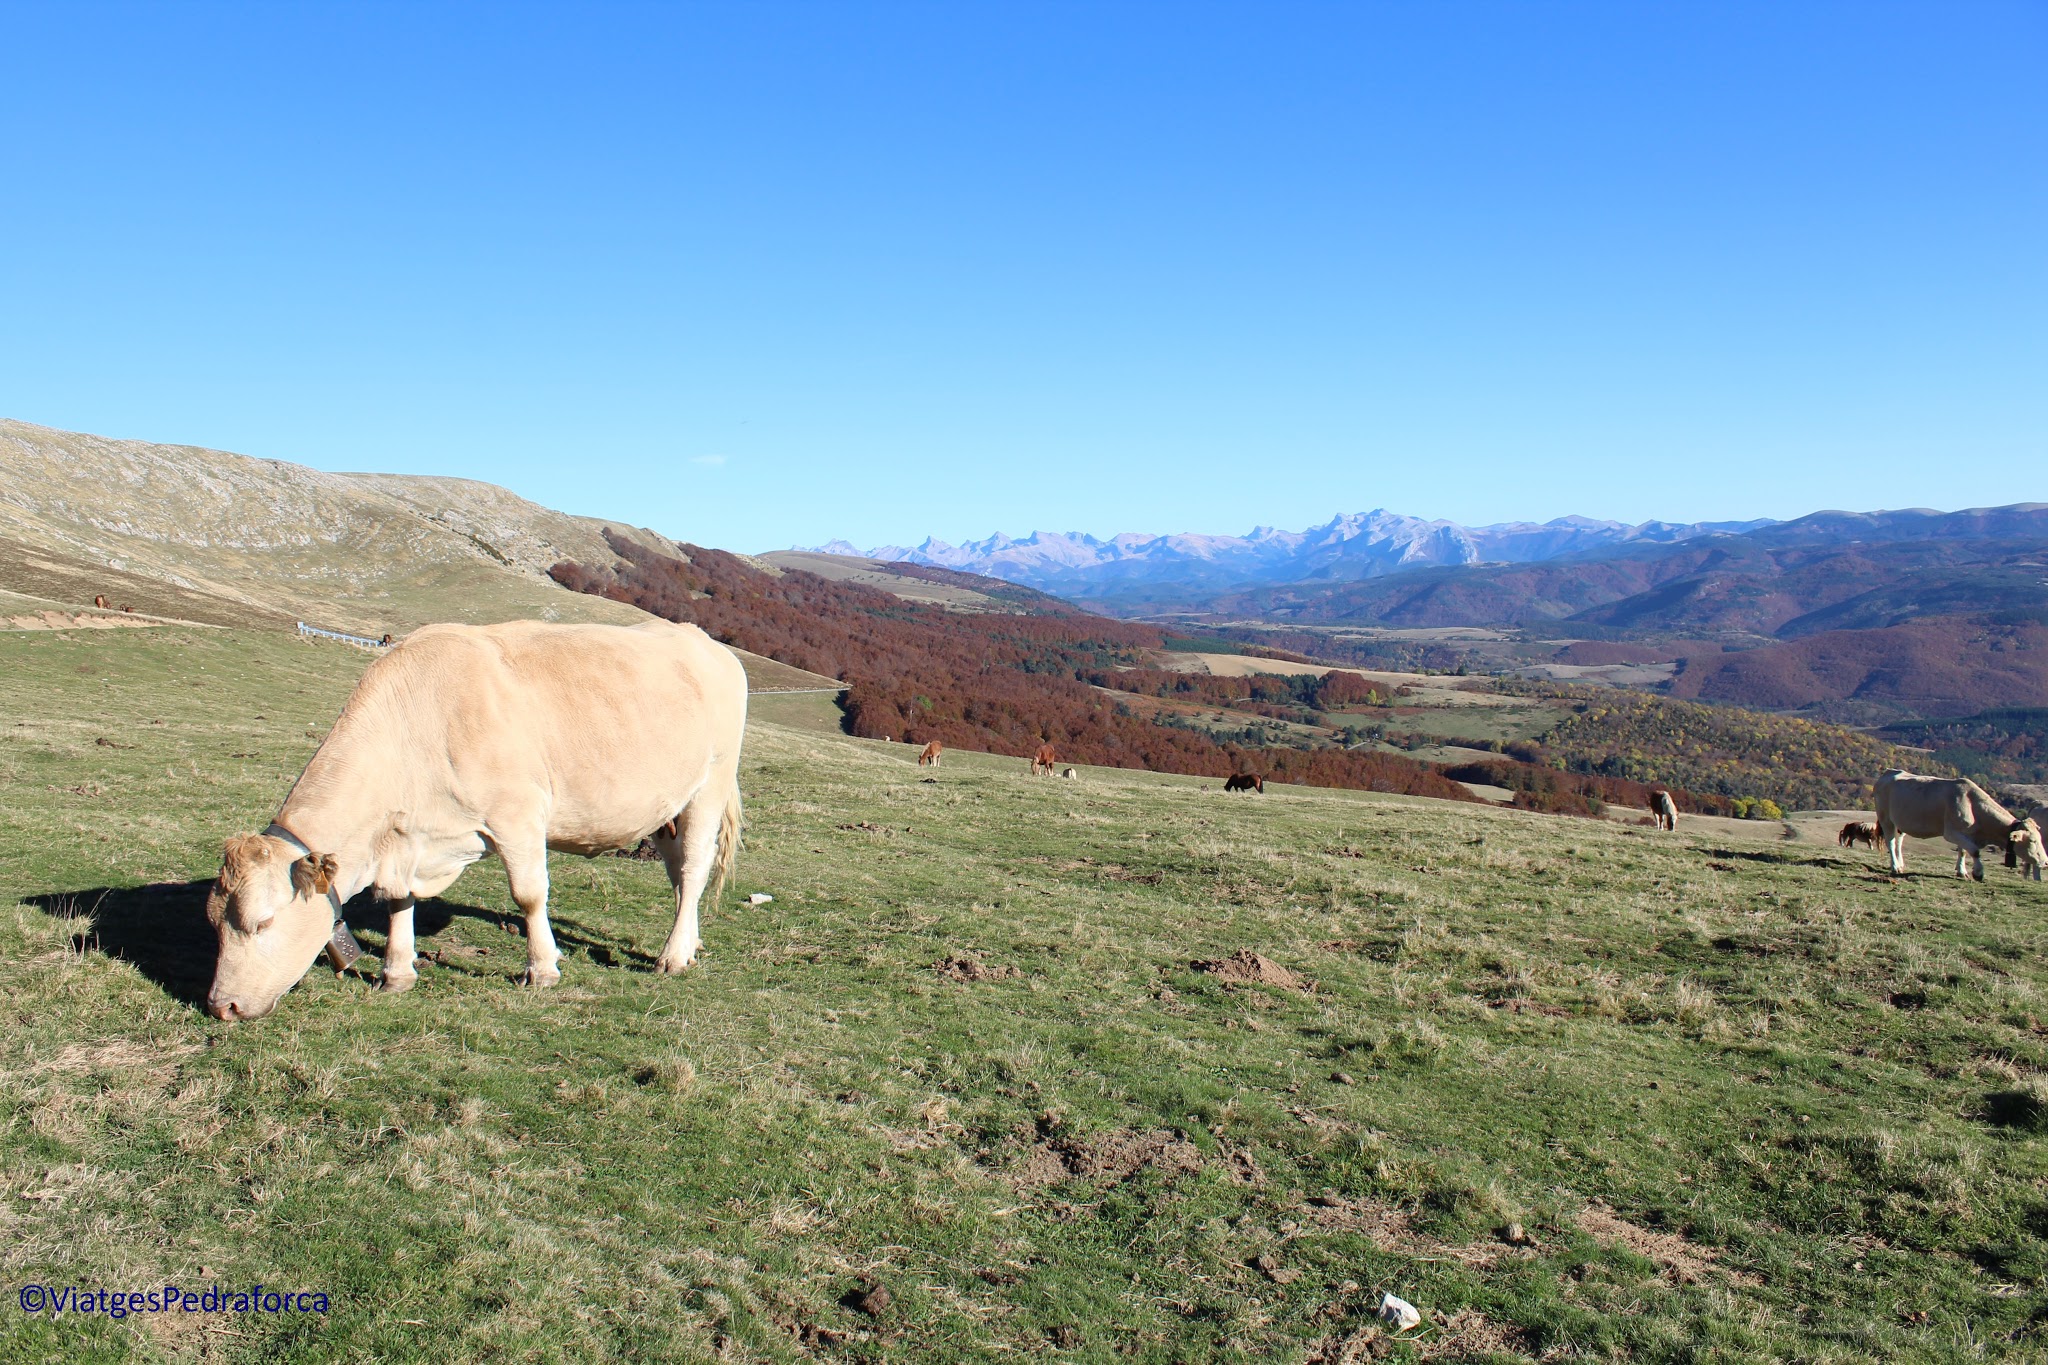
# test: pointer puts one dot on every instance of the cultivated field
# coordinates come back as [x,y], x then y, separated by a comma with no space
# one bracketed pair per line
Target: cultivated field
[1747,1100]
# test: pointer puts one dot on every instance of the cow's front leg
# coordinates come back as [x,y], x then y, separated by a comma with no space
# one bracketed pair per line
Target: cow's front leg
[399,973]
[528,874]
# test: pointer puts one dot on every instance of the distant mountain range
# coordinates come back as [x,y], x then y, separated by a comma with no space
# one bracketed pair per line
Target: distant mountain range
[1381,568]
[1347,548]
[1827,571]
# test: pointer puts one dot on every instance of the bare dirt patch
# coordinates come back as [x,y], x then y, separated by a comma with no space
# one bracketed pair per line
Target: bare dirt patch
[1391,1228]
[1107,1157]
[1248,967]
[960,968]
[1684,1261]
[1469,1332]
[1349,1348]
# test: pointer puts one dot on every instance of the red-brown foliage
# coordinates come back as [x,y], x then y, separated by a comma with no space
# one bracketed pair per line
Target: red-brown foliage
[1000,683]
[1942,664]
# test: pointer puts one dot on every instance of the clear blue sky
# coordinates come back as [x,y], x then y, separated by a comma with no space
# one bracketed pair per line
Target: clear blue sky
[761,274]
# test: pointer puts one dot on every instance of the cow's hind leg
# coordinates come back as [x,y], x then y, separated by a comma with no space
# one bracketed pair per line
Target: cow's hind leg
[689,849]
[399,974]
[527,871]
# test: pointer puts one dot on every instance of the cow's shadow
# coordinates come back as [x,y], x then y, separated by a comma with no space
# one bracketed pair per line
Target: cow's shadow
[162,930]
[1776,859]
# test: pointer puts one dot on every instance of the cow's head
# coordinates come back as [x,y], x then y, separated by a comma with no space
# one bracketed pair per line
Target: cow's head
[271,910]
[2023,848]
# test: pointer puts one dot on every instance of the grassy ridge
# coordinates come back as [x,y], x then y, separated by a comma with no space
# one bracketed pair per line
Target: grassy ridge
[1752,1101]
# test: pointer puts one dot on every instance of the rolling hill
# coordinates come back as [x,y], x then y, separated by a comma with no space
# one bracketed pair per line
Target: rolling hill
[187,535]
[218,538]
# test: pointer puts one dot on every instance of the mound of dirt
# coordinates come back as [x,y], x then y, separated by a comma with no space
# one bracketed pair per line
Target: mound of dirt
[1247,966]
[1113,1156]
[958,968]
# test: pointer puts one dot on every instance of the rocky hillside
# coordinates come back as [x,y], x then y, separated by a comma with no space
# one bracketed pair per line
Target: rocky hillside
[204,535]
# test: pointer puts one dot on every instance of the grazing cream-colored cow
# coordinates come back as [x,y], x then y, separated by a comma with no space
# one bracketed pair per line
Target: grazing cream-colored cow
[1958,810]
[514,738]
[1665,809]
[930,756]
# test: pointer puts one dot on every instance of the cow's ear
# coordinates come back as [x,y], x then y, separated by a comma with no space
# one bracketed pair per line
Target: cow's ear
[313,875]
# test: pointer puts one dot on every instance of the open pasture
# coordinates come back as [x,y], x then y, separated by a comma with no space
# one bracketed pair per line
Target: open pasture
[1747,1100]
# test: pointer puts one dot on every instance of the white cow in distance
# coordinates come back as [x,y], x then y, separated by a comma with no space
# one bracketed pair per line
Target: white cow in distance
[1958,810]
[514,738]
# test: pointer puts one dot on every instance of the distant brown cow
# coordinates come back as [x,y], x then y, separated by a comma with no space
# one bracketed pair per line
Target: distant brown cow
[126,607]
[1045,760]
[1665,809]
[1245,782]
[100,601]
[930,756]
[1858,832]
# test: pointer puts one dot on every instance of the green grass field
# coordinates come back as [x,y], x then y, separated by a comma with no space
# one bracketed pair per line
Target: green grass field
[1749,1101]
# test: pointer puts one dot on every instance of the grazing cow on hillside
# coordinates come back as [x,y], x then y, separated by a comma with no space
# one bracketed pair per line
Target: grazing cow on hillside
[100,600]
[1958,810]
[515,739]
[930,756]
[1665,809]
[1069,772]
[1245,782]
[1044,761]
[1858,832]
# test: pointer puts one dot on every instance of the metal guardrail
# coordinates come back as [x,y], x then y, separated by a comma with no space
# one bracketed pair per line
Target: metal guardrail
[363,640]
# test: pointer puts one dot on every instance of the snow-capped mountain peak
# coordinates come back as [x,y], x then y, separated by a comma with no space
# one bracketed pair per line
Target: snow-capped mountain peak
[1348,546]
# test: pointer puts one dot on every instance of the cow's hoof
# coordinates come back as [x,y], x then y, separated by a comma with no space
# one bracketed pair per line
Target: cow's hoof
[391,983]
[673,966]
[541,976]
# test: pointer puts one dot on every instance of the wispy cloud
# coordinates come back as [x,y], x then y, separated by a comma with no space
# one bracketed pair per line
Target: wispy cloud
[707,459]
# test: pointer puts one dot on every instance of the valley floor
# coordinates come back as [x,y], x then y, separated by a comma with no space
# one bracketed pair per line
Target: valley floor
[1747,1097]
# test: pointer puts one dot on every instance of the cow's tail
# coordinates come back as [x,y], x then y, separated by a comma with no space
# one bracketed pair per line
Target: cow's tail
[730,823]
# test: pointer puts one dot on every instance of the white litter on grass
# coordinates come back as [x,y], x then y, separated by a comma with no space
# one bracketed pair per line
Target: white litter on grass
[1398,1314]
[759,898]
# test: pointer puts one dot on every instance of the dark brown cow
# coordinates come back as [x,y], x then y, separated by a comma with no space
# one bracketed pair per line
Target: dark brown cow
[930,756]
[1045,761]
[1858,832]
[1245,782]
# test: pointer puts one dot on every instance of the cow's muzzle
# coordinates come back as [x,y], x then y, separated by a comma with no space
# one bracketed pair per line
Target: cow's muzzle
[232,1008]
